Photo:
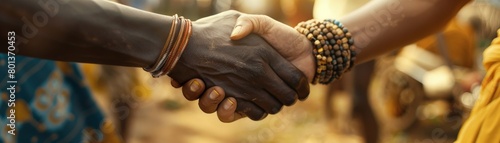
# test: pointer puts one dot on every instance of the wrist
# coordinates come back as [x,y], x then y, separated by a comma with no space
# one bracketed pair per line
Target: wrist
[175,43]
[333,48]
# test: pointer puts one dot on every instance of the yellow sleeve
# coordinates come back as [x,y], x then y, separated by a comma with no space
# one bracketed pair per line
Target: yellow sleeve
[483,124]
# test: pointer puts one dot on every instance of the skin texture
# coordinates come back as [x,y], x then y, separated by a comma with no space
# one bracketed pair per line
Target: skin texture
[104,32]
[248,69]
[101,32]
[378,27]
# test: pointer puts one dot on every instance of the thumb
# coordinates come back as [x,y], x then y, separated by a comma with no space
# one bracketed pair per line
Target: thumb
[247,24]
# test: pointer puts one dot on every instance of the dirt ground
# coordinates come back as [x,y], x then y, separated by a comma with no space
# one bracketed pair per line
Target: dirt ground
[167,117]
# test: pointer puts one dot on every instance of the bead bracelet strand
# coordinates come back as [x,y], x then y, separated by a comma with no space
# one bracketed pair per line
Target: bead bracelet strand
[333,48]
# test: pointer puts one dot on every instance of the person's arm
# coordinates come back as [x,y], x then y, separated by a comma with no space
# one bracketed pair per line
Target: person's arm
[384,25]
[104,32]
[377,28]
[90,31]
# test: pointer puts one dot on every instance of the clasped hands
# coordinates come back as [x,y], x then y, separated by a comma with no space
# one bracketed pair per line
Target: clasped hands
[239,74]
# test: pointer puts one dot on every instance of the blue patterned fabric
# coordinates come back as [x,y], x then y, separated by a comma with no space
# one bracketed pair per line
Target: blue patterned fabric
[52,103]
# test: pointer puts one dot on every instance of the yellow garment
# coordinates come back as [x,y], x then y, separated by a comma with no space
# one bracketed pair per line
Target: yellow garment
[459,39]
[483,125]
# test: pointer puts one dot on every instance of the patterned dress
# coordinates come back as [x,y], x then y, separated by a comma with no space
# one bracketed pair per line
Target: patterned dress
[52,104]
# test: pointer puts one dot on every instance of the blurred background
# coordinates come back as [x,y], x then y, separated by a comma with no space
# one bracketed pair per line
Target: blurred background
[421,93]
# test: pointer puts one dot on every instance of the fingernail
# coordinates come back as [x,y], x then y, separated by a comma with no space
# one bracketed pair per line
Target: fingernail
[214,94]
[229,104]
[236,30]
[194,86]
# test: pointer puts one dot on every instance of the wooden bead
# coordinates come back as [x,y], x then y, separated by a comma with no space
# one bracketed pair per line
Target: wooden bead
[320,37]
[300,30]
[346,46]
[329,35]
[341,36]
[305,31]
[335,27]
[344,53]
[344,40]
[317,42]
[329,59]
[316,32]
[336,47]
[310,36]
[332,41]
[329,25]
[338,53]
[339,31]
[325,30]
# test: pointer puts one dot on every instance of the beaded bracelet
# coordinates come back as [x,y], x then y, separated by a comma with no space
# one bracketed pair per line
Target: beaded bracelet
[333,48]
[176,42]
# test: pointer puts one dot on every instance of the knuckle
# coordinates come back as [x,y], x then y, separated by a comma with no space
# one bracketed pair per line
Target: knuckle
[265,17]
[207,105]
[189,97]
[203,107]
[233,12]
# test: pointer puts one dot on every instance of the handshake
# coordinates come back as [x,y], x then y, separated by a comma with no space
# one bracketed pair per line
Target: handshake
[239,74]
[216,59]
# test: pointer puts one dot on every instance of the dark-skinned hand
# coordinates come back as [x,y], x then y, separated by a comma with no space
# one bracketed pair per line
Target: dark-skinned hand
[249,70]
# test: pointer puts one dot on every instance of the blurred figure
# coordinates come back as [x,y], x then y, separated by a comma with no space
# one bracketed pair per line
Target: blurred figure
[422,82]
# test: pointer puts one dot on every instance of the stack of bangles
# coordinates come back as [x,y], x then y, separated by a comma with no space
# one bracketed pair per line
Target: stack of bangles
[333,48]
[176,42]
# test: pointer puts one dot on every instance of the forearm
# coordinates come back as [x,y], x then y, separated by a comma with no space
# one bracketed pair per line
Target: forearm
[90,31]
[384,25]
